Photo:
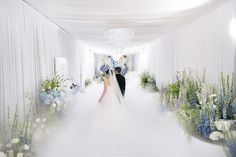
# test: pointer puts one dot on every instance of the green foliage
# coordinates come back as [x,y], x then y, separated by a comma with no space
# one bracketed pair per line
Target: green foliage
[26,131]
[53,83]
[144,79]
[203,104]
[148,81]
[227,94]
[14,130]
[189,118]
[174,89]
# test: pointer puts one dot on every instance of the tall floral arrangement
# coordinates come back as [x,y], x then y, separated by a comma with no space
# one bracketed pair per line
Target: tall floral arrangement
[226,97]
[199,105]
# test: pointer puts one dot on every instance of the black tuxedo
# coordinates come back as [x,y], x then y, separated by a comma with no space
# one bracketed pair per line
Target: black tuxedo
[121,82]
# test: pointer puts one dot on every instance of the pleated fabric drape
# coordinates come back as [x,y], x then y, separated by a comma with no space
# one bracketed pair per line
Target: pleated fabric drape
[29,43]
[204,43]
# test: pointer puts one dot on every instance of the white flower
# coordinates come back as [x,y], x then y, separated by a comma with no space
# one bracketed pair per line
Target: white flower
[226,125]
[9,145]
[44,119]
[222,125]
[26,147]
[15,141]
[38,120]
[215,136]
[219,125]
[54,105]
[43,90]
[212,96]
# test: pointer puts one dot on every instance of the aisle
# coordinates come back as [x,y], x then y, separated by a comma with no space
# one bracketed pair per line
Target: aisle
[149,132]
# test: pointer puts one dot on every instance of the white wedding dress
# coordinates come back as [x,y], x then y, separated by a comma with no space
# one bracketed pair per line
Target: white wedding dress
[112,111]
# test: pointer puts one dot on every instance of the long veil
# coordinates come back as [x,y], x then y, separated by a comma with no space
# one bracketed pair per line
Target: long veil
[115,85]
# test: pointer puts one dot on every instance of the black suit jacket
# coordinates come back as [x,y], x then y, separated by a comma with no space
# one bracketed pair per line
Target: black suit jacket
[121,82]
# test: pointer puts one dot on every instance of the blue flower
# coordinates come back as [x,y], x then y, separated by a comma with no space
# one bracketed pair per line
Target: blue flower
[204,127]
[46,98]
[56,93]
[231,145]
[104,68]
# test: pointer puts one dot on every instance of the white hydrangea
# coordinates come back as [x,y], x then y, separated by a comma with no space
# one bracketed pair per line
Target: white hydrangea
[216,136]
[226,125]
[26,147]
[222,125]
[15,141]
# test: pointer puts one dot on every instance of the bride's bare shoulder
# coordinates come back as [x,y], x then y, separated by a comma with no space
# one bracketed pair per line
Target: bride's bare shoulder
[107,80]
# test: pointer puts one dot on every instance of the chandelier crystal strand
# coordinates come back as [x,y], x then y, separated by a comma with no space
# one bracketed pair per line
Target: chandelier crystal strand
[119,37]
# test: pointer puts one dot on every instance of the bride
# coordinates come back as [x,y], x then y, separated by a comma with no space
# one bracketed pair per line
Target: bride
[111,102]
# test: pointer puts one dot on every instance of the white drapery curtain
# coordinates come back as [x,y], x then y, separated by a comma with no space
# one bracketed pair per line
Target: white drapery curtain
[29,43]
[89,19]
[204,43]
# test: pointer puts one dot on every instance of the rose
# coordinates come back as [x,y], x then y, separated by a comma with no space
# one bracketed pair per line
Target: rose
[215,136]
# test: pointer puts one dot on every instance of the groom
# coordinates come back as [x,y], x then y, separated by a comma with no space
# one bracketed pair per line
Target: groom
[120,80]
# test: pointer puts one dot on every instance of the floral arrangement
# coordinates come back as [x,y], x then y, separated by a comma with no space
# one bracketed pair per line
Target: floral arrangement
[104,68]
[110,63]
[148,81]
[52,89]
[201,108]
[22,135]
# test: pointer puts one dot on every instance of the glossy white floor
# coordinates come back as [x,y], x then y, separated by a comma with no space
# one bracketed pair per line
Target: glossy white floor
[149,132]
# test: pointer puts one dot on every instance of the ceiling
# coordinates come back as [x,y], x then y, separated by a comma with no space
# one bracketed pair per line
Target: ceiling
[87,20]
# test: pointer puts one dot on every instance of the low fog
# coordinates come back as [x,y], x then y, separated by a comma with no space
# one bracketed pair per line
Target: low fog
[145,130]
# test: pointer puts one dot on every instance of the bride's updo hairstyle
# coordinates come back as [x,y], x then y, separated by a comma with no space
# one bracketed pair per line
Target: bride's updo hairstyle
[107,72]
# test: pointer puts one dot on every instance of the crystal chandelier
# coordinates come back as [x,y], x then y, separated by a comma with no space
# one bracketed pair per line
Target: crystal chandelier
[119,37]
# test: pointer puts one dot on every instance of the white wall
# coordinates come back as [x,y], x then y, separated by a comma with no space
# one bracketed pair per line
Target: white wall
[204,43]
[29,43]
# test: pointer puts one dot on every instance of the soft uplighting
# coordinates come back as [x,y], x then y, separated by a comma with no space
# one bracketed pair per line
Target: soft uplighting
[232,29]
